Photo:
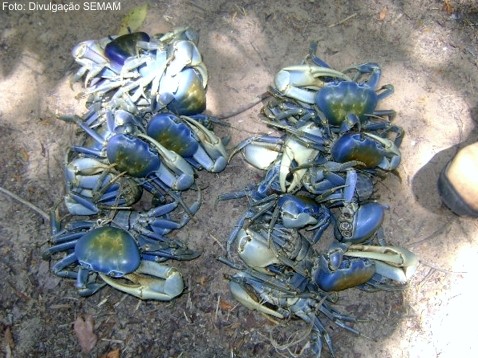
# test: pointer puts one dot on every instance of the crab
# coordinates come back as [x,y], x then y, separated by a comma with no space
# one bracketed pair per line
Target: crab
[284,248]
[349,103]
[142,73]
[92,186]
[127,244]
[356,221]
[112,254]
[300,147]
[369,267]
[345,99]
[287,277]
[285,211]
[126,148]
[189,138]
[288,253]
[273,296]
[371,150]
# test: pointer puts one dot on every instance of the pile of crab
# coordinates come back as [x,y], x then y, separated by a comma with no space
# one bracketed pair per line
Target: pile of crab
[320,173]
[143,138]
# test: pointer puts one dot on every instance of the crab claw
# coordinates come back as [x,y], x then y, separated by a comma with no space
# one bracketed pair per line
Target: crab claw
[290,79]
[211,143]
[176,163]
[150,281]
[298,81]
[186,55]
[395,263]
[392,155]
[337,273]
[259,151]
[242,286]
[255,250]
[297,151]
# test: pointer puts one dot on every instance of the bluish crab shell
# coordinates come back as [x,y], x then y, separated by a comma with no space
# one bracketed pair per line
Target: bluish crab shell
[339,99]
[175,136]
[298,211]
[132,155]
[356,146]
[124,47]
[108,250]
[350,273]
[190,98]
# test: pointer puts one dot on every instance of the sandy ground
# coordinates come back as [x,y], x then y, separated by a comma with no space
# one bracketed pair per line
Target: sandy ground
[428,54]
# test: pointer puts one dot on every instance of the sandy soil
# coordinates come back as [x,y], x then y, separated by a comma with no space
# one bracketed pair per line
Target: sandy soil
[428,54]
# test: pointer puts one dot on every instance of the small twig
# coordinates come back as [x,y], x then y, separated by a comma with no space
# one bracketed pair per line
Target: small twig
[344,20]
[197,6]
[113,340]
[121,300]
[246,107]
[102,302]
[189,302]
[137,306]
[430,272]
[241,10]
[431,236]
[27,203]
[217,307]
[218,242]
[286,346]
[187,318]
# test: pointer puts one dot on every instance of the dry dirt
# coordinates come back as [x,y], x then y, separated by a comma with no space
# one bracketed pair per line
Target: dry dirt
[428,51]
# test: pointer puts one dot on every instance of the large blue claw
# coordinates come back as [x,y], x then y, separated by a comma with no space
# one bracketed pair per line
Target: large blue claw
[365,221]
[339,273]
[371,150]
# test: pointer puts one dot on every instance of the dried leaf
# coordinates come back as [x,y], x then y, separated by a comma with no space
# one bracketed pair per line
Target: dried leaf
[23,154]
[84,332]
[225,306]
[112,354]
[202,280]
[447,7]
[134,20]
[383,14]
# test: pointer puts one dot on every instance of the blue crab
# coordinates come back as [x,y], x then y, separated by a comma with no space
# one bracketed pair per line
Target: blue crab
[369,267]
[189,138]
[370,149]
[347,103]
[274,296]
[144,73]
[91,187]
[344,100]
[289,254]
[127,149]
[357,221]
[293,280]
[112,254]
[300,147]
[268,204]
